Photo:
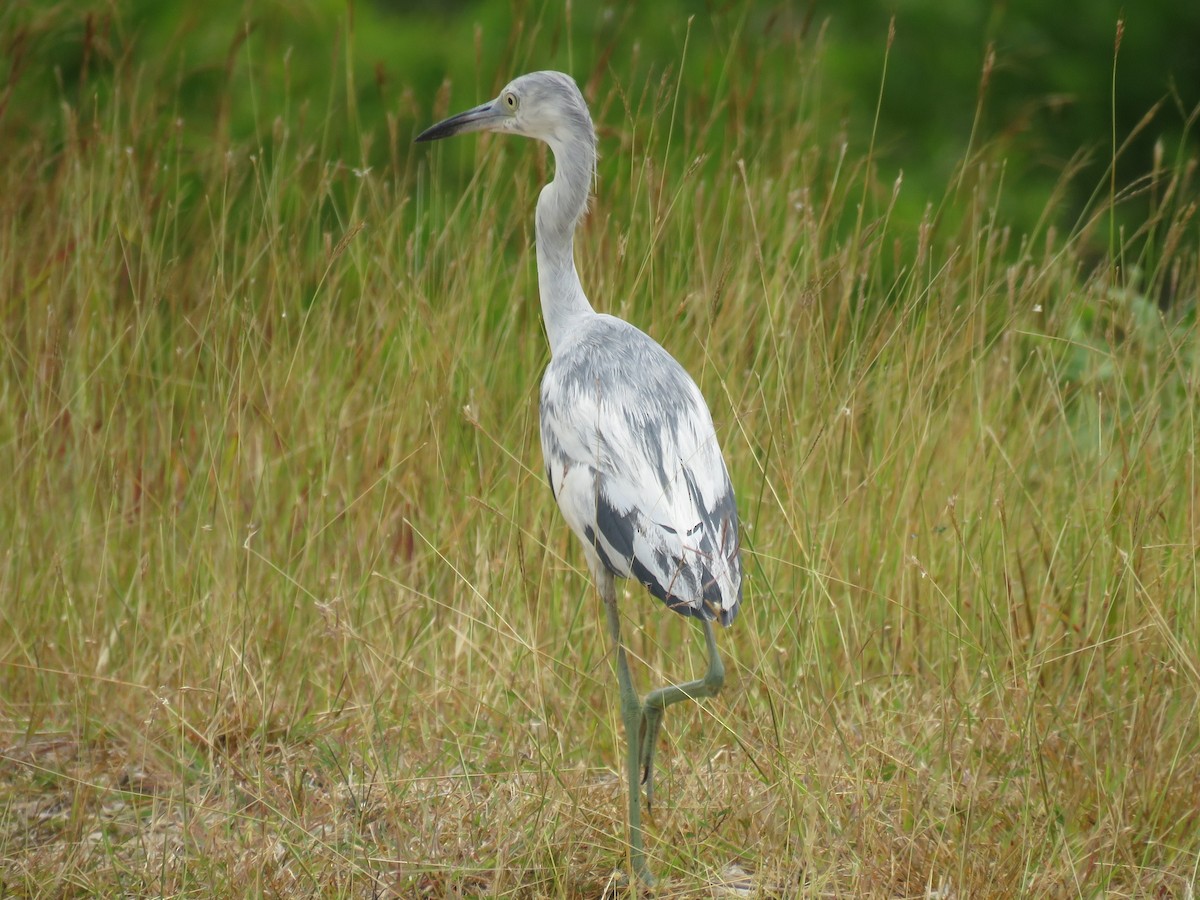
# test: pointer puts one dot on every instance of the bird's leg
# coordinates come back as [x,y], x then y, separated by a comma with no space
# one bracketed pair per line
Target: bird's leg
[631,714]
[657,702]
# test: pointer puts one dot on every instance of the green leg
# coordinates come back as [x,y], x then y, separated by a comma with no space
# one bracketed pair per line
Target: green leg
[631,714]
[657,702]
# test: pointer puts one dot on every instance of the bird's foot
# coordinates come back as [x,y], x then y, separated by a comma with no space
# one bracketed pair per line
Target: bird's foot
[620,885]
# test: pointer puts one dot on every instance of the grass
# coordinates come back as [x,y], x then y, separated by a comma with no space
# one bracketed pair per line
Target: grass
[290,611]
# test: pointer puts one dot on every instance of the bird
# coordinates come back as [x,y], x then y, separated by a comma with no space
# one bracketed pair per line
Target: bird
[629,446]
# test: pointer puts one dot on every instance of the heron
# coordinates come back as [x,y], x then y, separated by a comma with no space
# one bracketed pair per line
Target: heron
[628,442]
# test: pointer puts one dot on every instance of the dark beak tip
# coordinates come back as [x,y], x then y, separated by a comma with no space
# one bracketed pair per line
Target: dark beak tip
[429,134]
[477,119]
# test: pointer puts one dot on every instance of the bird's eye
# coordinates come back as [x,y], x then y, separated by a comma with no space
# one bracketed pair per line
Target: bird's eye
[510,100]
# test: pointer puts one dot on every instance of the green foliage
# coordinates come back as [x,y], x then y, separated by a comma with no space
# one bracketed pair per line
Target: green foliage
[1038,85]
[1030,84]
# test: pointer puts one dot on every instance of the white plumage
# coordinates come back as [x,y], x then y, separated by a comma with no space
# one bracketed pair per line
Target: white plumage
[633,461]
[629,445]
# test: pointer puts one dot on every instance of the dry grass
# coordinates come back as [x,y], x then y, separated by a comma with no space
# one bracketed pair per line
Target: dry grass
[289,610]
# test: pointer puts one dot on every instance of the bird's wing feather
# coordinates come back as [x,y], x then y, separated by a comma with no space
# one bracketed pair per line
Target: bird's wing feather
[633,460]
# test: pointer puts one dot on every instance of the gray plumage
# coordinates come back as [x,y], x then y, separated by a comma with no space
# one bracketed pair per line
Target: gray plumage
[633,461]
[630,450]
[629,445]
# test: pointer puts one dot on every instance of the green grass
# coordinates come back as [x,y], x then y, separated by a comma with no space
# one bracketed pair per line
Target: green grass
[289,610]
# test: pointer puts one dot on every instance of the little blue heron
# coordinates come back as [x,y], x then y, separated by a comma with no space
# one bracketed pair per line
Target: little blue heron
[628,442]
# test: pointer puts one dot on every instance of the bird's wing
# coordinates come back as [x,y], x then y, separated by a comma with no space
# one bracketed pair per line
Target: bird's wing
[633,460]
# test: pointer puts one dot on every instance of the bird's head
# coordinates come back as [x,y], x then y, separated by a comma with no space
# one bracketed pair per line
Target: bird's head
[543,105]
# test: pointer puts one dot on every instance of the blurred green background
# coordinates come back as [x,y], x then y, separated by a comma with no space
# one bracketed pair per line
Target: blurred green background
[369,74]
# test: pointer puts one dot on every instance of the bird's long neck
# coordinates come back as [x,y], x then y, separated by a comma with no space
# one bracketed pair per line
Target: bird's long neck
[561,205]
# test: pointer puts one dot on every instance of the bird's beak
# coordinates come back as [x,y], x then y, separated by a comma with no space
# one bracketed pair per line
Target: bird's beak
[484,117]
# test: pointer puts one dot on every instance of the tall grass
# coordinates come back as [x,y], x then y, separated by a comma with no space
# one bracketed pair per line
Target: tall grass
[288,608]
